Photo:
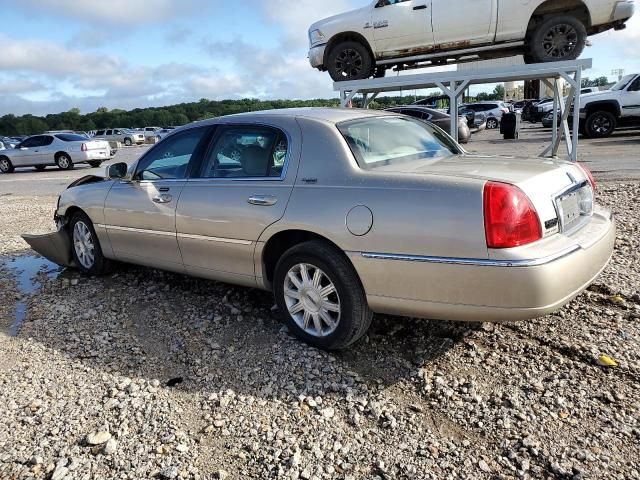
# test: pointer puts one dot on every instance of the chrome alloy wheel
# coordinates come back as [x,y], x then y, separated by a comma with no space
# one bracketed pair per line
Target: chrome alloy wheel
[83,244]
[5,166]
[312,300]
[64,162]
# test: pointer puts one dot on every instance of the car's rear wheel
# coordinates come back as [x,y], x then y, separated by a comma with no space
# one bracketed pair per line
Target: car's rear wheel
[6,166]
[95,164]
[128,142]
[319,293]
[64,162]
[600,124]
[558,38]
[492,124]
[350,61]
[85,246]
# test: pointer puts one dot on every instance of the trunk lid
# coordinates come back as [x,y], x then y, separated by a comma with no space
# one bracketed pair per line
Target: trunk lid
[97,145]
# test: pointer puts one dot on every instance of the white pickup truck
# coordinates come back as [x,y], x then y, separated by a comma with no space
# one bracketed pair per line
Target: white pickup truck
[602,112]
[415,33]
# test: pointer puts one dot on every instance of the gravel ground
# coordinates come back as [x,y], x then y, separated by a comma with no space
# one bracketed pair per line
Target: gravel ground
[145,374]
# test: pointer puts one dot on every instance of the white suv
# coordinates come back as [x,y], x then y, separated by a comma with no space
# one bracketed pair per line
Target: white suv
[413,33]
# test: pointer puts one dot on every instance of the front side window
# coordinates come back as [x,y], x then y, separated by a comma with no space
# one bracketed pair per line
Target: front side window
[385,3]
[622,84]
[170,159]
[383,141]
[46,140]
[635,86]
[246,152]
[31,142]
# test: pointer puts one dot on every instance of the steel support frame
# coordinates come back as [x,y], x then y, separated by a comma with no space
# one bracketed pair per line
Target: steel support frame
[453,84]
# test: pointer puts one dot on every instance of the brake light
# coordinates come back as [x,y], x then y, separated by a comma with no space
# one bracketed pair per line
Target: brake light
[588,174]
[84,147]
[510,219]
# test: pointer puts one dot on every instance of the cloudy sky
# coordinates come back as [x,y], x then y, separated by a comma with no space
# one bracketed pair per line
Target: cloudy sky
[60,54]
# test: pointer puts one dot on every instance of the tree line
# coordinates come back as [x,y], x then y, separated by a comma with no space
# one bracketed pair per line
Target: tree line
[174,115]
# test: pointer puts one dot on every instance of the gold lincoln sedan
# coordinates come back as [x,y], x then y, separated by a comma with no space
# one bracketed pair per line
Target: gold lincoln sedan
[342,213]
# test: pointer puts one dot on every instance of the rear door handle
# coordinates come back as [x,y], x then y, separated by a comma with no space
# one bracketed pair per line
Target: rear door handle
[420,7]
[263,200]
[162,198]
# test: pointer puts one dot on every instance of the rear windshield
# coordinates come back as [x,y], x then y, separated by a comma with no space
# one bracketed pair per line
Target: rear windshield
[71,137]
[381,141]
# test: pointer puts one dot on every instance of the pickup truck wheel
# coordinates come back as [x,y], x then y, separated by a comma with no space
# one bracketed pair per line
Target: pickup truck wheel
[320,295]
[85,246]
[561,37]
[64,162]
[128,142]
[6,166]
[95,164]
[600,124]
[350,61]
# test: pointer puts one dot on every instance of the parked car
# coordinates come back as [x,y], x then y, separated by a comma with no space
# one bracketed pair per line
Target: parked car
[160,134]
[123,135]
[150,133]
[547,120]
[409,224]
[602,112]
[492,110]
[62,149]
[442,120]
[413,33]
[6,142]
[475,120]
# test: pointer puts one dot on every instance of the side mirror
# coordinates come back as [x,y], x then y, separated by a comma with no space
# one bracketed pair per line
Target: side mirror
[117,171]
[381,3]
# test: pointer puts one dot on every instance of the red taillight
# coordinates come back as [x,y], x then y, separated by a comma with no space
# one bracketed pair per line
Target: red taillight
[588,174]
[510,220]
[84,147]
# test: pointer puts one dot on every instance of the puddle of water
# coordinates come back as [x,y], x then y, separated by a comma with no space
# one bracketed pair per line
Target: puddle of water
[28,270]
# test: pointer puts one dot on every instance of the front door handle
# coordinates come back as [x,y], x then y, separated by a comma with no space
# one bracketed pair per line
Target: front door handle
[263,200]
[420,7]
[162,198]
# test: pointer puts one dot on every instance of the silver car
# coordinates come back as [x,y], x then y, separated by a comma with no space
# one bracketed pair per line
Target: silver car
[342,213]
[492,110]
[123,135]
[64,150]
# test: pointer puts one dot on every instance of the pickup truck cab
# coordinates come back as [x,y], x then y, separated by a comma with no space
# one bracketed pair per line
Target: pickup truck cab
[602,112]
[415,33]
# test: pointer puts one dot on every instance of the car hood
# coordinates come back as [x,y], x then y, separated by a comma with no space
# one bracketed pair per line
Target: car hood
[594,96]
[331,25]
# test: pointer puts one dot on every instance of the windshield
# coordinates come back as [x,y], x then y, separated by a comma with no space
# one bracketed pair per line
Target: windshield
[381,141]
[622,84]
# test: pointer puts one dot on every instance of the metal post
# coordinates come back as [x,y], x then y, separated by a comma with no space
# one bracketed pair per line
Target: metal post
[576,115]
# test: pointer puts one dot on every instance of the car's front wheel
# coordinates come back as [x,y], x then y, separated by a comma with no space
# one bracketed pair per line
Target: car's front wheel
[6,166]
[85,246]
[320,294]
[64,162]
[492,124]
[558,38]
[128,142]
[600,124]
[350,61]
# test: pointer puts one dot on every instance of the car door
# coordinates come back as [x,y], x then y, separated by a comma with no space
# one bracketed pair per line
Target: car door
[47,150]
[28,152]
[139,214]
[401,25]
[242,187]
[463,22]
[630,99]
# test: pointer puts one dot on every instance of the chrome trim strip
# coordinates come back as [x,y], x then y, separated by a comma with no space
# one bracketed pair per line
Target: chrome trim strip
[479,262]
[137,230]
[173,234]
[215,239]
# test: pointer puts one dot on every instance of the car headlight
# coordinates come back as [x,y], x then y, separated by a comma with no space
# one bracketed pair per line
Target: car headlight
[316,36]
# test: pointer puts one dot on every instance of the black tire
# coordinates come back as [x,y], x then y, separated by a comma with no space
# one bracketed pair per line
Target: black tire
[100,265]
[40,168]
[95,164]
[349,61]
[6,166]
[600,124]
[128,142]
[492,123]
[355,315]
[64,162]
[558,38]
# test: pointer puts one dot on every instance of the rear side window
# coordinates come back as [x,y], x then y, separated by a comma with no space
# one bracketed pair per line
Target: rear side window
[246,152]
[99,133]
[70,137]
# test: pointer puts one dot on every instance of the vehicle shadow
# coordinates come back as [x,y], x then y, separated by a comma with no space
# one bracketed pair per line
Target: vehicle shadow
[208,337]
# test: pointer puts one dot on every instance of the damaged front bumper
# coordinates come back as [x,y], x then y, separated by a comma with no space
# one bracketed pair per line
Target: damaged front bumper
[55,246]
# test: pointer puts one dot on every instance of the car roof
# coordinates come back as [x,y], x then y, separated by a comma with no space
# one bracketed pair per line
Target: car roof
[326,114]
[421,108]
